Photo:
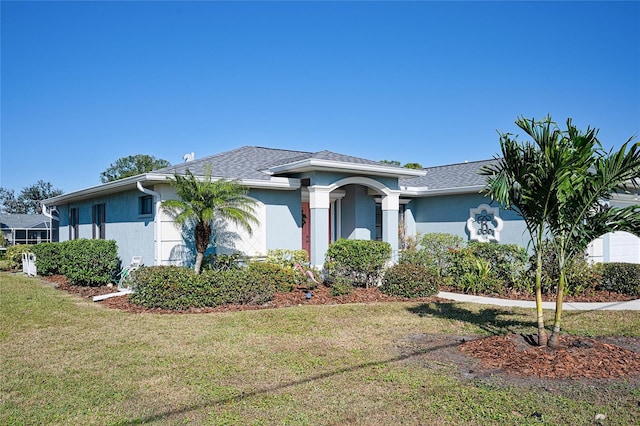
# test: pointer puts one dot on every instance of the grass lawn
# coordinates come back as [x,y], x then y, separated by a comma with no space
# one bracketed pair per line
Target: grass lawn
[65,360]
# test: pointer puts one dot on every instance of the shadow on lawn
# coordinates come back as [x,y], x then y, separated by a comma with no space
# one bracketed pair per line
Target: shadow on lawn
[492,320]
[269,389]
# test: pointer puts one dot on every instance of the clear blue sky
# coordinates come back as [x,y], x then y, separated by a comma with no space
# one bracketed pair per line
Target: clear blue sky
[85,83]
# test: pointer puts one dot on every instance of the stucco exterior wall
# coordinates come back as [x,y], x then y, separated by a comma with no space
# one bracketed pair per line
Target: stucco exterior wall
[358,221]
[449,214]
[132,232]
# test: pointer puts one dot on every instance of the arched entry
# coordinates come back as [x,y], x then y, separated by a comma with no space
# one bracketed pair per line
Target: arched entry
[322,210]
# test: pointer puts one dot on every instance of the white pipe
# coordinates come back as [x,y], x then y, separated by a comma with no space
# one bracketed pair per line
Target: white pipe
[157,223]
[51,219]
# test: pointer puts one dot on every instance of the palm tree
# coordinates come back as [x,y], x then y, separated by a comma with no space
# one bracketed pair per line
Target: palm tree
[557,184]
[521,180]
[202,202]
[582,213]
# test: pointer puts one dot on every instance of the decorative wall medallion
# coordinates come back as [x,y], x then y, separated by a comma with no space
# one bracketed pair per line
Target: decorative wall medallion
[484,223]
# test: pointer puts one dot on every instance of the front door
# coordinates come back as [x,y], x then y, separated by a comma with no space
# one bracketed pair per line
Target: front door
[306,228]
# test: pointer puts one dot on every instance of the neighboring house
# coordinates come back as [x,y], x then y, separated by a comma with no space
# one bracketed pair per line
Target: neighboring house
[28,228]
[305,200]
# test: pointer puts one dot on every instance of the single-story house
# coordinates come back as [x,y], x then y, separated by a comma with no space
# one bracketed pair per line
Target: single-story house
[305,200]
[28,228]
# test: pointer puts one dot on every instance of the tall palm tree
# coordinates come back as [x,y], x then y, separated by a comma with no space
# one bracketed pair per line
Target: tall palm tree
[204,201]
[557,184]
[521,180]
[582,214]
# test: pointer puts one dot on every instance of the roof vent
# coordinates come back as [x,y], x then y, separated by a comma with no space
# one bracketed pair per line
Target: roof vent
[189,157]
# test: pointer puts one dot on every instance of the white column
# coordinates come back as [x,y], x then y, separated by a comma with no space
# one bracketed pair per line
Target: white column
[390,209]
[319,203]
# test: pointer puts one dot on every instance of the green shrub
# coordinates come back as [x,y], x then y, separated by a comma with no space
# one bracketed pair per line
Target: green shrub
[359,261]
[508,263]
[434,252]
[282,278]
[222,262]
[620,277]
[90,262]
[410,280]
[49,258]
[179,288]
[341,286]
[289,258]
[580,276]
[241,287]
[14,255]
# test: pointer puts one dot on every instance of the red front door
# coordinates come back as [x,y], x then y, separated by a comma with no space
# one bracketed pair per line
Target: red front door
[306,228]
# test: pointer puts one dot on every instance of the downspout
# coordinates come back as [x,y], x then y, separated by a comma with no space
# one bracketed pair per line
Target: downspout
[49,214]
[157,224]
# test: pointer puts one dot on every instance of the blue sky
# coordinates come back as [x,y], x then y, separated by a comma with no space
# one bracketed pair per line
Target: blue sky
[85,83]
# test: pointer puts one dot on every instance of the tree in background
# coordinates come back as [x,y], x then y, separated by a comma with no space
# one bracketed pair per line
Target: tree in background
[397,164]
[29,200]
[131,166]
[202,202]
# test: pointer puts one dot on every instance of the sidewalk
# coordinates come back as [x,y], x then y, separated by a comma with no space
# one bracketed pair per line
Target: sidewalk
[631,305]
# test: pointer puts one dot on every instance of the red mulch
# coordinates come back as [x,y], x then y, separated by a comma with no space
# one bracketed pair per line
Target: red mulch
[579,357]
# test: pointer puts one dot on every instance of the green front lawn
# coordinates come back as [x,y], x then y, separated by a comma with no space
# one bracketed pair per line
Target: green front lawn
[66,360]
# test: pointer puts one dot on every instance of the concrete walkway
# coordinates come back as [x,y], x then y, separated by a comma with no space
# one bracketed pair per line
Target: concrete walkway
[631,305]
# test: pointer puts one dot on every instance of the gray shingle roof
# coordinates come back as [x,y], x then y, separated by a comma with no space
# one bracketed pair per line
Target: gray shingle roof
[252,162]
[450,176]
[24,221]
[247,162]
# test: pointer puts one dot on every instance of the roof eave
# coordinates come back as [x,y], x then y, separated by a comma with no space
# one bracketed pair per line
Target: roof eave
[312,164]
[413,191]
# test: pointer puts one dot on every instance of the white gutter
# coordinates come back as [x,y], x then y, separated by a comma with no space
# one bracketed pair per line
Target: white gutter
[426,192]
[51,219]
[157,223]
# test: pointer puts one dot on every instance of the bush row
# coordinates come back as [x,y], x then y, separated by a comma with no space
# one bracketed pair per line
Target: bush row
[83,262]
[490,268]
[174,287]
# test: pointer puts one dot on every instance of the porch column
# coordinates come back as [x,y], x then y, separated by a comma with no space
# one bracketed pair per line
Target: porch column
[319,205]
[390,209]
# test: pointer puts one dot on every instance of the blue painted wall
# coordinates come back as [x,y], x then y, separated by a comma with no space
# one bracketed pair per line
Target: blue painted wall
[283,217]
[358,213]
[449,214]
[133,233]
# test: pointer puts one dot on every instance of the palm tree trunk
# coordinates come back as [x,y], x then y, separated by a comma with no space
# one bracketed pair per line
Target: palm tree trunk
[554,340]
[542,332]
[198,265]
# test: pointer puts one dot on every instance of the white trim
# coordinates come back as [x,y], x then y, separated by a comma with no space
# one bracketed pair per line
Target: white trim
[373,169]
[417,191]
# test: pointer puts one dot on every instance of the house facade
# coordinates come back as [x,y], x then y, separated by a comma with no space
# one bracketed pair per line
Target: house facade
[305,200]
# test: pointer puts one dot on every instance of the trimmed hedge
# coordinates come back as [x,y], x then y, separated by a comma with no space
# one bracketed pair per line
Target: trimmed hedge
[83,262]
[179,288]
[359,261]
[620,277]
[410,280]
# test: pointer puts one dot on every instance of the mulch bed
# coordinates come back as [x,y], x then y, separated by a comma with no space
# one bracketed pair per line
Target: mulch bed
[578,358]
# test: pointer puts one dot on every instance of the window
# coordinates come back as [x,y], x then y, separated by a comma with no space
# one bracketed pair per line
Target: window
[97,213]
[74,223]
[145,205]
